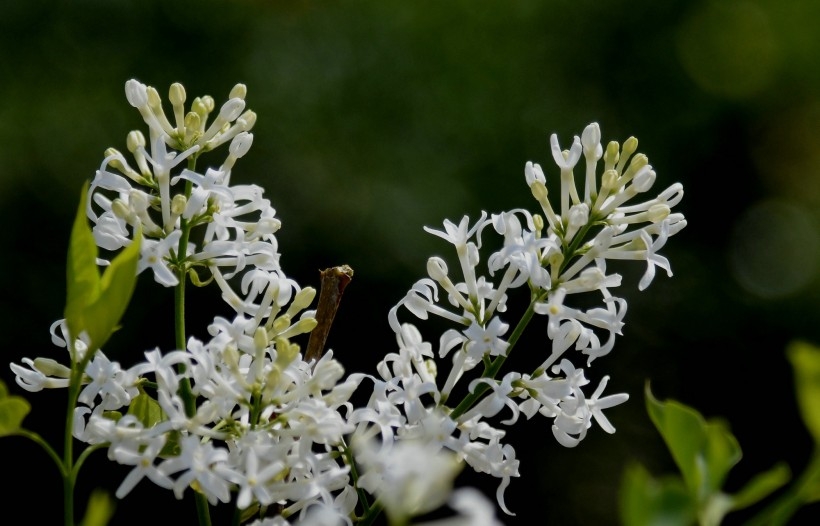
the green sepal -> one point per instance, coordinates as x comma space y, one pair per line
13, 410
646, 501
95, 304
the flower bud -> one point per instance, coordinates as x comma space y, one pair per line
612, 155
591, 141
231, 109
437, 269
176, 94
241, 144
644, 179
136, 93
50, 367
658, 212
239, 91
178, 204
134, 140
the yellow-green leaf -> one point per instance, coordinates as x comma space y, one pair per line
646, 501
703, 451
13, 409
805, 359
100, 509
95, 304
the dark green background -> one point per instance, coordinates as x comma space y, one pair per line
377, 118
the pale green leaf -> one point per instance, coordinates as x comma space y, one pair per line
100, 509
146, 409
646, 501
82, 277
95, 304
13, 409
703, 451
761, 486
805, 359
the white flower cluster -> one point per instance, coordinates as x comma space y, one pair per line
564, 256
265, 424
243, 413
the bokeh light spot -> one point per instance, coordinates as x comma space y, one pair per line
775, 249
728, 48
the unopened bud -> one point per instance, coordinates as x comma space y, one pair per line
193, 121
539, 191
231, 109
241, 144
176, 94
178, 204
659, 212
644, 179
437, 269
246, 120
303, 298
612, 154
260, 338
154, 100
238, 91
50, 367
609, 180
629, 147
538, 221
120, 209
135, 92
134, 140
280, 324
591, 141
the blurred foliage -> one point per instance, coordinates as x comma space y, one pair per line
377, 118
705, 451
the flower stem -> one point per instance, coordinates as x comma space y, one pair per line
202, 509
492, 370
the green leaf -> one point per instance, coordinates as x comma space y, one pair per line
704, 451
96, 304
146, 409
100, 509
761, 486
646, 501
82, 277
805, 359
13, 409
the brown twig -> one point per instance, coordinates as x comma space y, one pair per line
334, 281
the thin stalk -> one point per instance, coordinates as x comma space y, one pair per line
202, 509
495, 366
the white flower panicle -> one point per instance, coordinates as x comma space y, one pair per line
238, 223
556, 257
269, 429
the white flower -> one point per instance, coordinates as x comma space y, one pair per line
409, 478
143, 462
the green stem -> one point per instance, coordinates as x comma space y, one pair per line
371, 515
354, 474
185, 392
68, 472
495, 366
